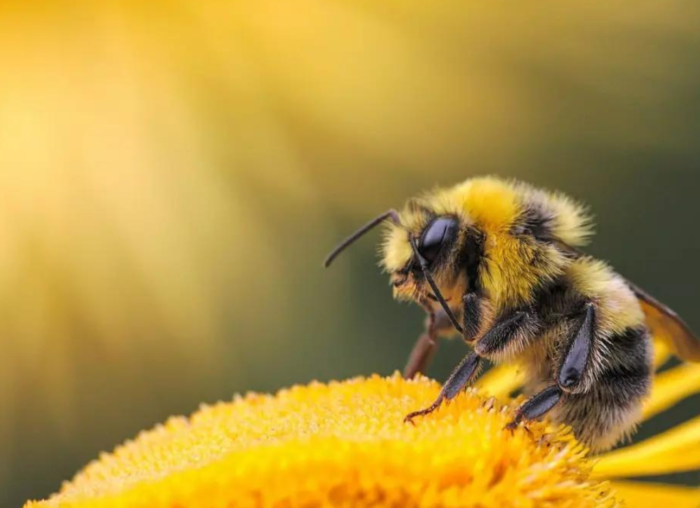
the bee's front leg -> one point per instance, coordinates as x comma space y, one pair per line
436, 324
465, 372
467, 369
472, 316
423, 350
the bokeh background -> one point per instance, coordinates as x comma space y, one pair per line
173, 173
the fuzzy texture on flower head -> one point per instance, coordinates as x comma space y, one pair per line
342, 444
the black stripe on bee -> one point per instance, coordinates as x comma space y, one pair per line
534, 221
471, 256
557, 299
628, 371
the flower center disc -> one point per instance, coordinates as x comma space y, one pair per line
342, 443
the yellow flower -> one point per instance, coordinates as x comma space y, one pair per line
345, 444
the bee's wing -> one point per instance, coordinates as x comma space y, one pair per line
668, 326
663, 322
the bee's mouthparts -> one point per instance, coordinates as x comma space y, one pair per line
433, 298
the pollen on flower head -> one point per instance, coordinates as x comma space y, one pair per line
341, 444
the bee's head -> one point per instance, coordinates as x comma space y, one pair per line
423, 254
426, 246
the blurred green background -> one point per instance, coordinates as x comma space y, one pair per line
173, 173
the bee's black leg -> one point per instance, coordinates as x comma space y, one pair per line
572, 369
460, 377
437, 323
509, 327
472, 316
570, 372
537, 405
423, 351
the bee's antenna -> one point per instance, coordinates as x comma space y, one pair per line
391, 214
426, 271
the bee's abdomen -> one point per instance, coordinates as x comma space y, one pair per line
627, 367
611, 406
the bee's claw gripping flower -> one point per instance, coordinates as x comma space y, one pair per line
423, 412
342, 444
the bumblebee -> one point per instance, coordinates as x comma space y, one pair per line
498, 262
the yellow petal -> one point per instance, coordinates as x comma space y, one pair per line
501, 380
650, 495
661, 353
673, 451
671, 386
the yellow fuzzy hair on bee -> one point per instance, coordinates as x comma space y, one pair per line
495, 206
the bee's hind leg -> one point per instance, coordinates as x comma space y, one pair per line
460, 377
570, 372
573, 368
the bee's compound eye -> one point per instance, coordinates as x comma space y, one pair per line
435, 235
